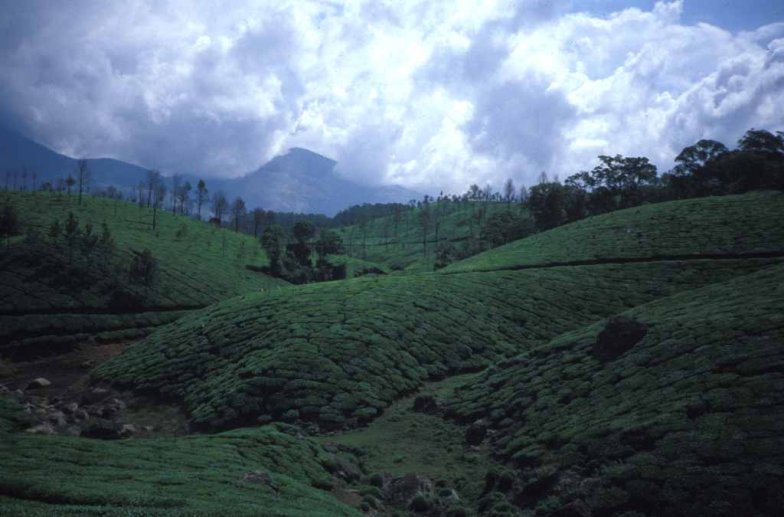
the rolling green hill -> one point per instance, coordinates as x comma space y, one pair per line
52, 296
337, 354
397, 242
625, 364
244, 473
689, 420
715, 226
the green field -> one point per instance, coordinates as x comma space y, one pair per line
40, 303
715, 226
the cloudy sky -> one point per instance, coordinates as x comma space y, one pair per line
430, 94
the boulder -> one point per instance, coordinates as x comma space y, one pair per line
619, 335
128, 430
400, 491
39, 382
44, 428
476, 432
102, 429
425, 404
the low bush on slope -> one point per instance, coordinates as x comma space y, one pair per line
243, 473
728, 225
686, 418
337, 353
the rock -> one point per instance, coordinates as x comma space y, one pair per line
57, 418
425, 404
148, 428
81, 414
40, 382
476, 432
102, 429
70, 408
619, 335
401, 490
44, 428
95, 395
88, 364
4, 389
128, 430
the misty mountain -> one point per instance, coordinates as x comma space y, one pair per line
304, 181
18, 153
298, 181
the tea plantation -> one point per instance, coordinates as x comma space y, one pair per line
727, 226
686, 419
244, 473
48, 299
626, 364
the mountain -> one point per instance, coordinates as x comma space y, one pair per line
304, 181
18, 153
299, 181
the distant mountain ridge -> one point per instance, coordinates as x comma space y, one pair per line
298, 181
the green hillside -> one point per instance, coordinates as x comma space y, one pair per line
51, 296
689, 420
727, 225
243, 473
397, 242
625, 363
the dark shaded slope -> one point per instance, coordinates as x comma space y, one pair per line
688, 421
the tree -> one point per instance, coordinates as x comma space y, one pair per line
143, 269
219, 205
175, 190
303, 231
238, 212
202, 195
258, 220
9, 223
695, 157
509, 191
547, 204
761, 141
84, 175
329, 243
69, 182
55, 230
153, 179
183, 196
71, 234
424, 221
159, 194
273, 242
89, 241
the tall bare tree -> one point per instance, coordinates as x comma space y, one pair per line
219, 205
153, 179
84, 176
202, 195
238, 212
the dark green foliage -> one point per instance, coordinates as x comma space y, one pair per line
688, 421
273, 242
143, 269
9, 223
340, 353
503, 227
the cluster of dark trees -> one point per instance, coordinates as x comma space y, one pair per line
291, 255
706, 168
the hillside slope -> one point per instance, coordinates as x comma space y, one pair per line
46, 299
715, 226
685, 418
242, 473
361, 344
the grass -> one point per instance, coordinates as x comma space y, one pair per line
727, 225
189, 476
689, 421
198, 265
402, 441
379, 241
